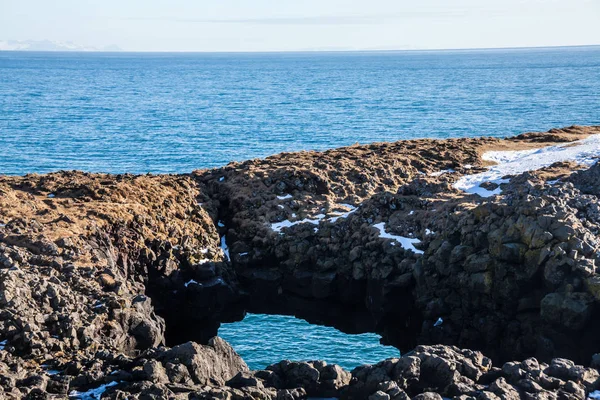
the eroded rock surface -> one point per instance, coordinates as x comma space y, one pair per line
116, 284
379, 234
80, 256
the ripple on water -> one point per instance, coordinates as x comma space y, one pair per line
166, 113
262, 340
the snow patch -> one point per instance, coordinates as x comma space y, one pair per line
278, 226
350, 208
221, 179
585, 152
190, 282
220, 224
442, 172
49, 370
51, 195
405, 242
92, 393
225, 248
287, 196
594, 395
3, 344
439, 322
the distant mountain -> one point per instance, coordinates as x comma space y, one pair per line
49, 45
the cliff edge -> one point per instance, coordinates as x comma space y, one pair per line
115, 285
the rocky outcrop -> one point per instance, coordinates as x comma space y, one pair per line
513, 275
428, 372
431, 372
83, 260
116, 284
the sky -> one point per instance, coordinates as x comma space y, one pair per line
303, 25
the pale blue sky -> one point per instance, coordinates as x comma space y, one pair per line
273, 25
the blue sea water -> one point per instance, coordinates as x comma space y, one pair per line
166, 113
162, 113
262, 340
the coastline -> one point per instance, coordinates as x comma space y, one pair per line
93, 265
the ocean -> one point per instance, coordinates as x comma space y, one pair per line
165, 113
172, 113
262, 340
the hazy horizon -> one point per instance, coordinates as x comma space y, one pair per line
326, 25
115, 49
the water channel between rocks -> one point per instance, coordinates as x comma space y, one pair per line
263, 340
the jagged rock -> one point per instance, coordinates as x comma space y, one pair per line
215, 363
571, 310
99, 272
487, 265
316, 377
428, 396
379, 395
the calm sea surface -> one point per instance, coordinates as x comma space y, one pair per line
165, 113
160, 113
262, 340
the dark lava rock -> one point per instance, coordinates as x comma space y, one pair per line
117, 284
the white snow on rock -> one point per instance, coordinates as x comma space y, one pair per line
92, 393
225, 248
221, 179
287, 196
407, 243
278, 226
190, 282
350, 208
585, 152
220, 224
594, 395
2, 344
442, 172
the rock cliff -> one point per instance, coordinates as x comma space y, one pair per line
115, 285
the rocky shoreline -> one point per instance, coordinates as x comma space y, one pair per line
115, 285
